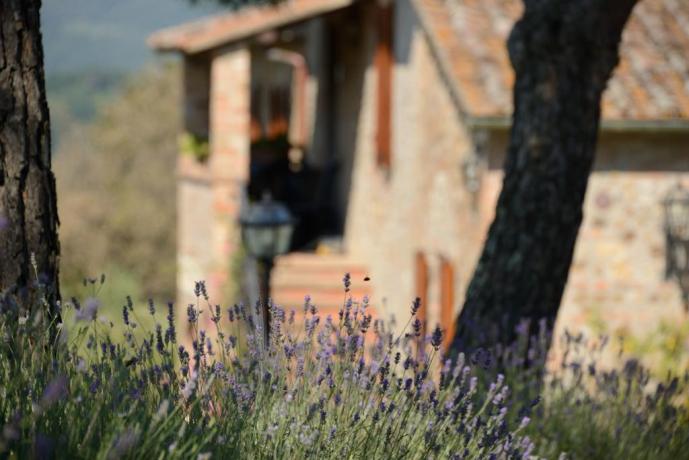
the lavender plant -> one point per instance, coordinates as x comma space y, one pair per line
585, 407
321, 387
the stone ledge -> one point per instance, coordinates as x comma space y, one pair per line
189, 168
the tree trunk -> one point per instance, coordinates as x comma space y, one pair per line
563, 53
29, 247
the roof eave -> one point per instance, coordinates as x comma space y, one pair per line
610, 126
162, 41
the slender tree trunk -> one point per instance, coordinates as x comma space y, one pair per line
29, 247
563, 53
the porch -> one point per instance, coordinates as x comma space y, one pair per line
267, 114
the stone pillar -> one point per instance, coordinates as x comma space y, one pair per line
230, 94
194, 194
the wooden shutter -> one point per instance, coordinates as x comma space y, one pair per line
384, 65
421, 272
447, 300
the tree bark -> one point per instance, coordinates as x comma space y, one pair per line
29, 248
563, 53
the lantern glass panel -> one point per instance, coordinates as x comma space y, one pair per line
259, 241
283, 238
267, 229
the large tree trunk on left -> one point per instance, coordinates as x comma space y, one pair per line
29, 247
563, 53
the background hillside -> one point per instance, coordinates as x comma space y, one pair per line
91, 45
114, 110
82, 35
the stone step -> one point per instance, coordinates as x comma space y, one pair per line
317, 281
294, 297
297, 275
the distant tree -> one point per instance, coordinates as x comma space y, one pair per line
563, 53
28, 210
117, 189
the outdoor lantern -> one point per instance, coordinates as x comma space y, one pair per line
266, 231
676, 207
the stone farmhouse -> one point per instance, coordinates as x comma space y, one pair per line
383, 126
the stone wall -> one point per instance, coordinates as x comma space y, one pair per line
425, 202
616, 283
229, 158
422, 203
617, 279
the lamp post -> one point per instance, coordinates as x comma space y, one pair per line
266, 231
676, 210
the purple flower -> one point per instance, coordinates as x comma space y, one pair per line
56, 390
159, 339
151, 307
216, 316
522, 328
415, 306
192, 314
408, 384
94, 385
416, 325
170, 333
125, 315
44, 446
125, 442
437, 338
347, 281
89, 310
200, 290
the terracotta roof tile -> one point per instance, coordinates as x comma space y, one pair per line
218, 30
650, 84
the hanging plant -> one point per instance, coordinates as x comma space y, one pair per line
194, 146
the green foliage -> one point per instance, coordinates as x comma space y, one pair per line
594, 411
667, 346
116, 188
317, 390
195, 146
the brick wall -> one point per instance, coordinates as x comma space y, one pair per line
210, 193
229, 159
